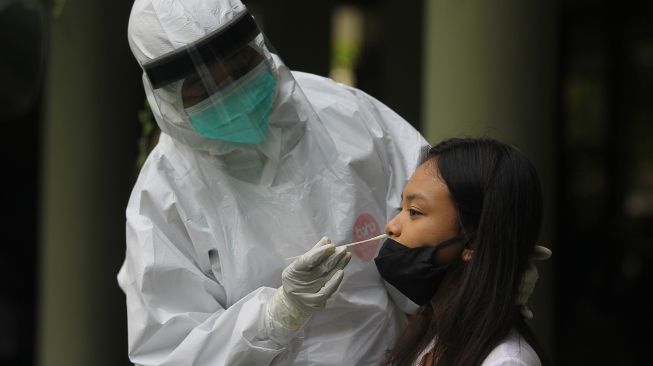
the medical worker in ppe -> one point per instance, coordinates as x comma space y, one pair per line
255, 164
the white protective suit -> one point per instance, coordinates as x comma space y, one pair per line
210, 223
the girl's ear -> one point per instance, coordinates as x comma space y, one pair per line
467, 255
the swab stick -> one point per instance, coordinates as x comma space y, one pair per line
378, 237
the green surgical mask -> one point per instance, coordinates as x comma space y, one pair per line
239, 113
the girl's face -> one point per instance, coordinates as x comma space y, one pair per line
428, 214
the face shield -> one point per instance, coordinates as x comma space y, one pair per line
215, 85
223, 83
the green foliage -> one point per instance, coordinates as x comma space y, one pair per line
149, 134
345, 55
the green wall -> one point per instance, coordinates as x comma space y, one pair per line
489, 70
88, 149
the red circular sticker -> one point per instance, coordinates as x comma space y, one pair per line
366, 227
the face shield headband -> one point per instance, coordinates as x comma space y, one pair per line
219, 45
223, 82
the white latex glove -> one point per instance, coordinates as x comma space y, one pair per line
307, 283
529, 279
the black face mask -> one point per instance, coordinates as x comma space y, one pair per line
413, 271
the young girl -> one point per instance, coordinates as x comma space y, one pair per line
459, 247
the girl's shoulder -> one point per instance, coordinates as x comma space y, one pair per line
512, 351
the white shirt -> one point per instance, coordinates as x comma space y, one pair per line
512, 351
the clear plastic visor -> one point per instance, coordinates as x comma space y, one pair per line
223, 82
211, 65
222, 76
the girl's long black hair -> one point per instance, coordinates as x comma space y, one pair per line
499, 202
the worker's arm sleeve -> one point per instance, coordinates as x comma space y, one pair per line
176, 313
399, 145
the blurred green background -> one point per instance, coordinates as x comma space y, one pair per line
570, 82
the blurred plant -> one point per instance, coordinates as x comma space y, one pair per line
346, 43
29, 4
24, 26
57, 8
149, 134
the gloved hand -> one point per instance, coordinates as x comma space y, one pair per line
529, 279
307, 284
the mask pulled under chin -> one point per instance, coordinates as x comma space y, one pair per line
413, 271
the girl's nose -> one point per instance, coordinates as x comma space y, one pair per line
392, 228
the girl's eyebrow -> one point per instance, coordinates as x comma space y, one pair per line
415, 196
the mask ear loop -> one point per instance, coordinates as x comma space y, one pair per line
175, 90
178, 103
261, 46
448, 242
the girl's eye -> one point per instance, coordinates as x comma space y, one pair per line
412, 212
